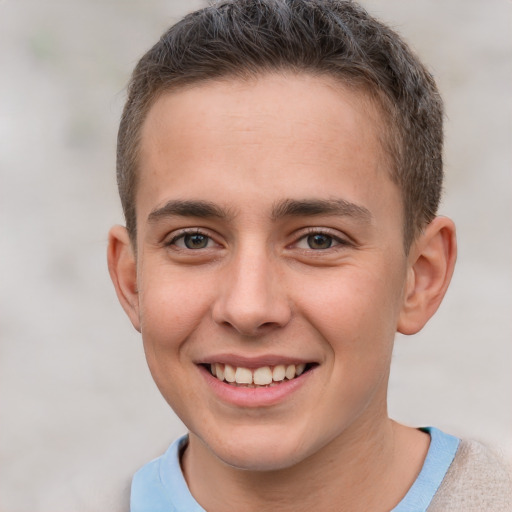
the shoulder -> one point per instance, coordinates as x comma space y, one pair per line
158, 486
148, 491
476, 480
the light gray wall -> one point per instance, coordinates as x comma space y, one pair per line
78, 410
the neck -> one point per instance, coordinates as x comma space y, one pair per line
363, 469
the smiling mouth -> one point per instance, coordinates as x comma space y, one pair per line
265, 376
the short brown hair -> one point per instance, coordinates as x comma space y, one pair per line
338, 38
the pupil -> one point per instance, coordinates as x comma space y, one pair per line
196, 241
319, 241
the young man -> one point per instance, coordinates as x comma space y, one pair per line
280, 167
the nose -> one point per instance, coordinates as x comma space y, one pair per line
252, 298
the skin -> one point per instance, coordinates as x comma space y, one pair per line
260, 287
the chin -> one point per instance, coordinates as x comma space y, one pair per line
259, 460
259, 451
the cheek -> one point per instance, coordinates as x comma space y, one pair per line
351, 301
355, 312
171, 307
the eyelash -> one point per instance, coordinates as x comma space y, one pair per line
326, 233
304, 236
183, 234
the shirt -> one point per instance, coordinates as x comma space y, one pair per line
160, 486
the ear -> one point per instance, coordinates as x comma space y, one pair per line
122, 266
431, 263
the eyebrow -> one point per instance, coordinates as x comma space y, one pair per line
192, 208
285, 208
313, 207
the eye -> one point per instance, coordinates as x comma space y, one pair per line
192, 241
318, 241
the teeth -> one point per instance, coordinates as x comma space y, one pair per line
243, 376
229, 373
264, 376
219, 371
290, 371
299, 370
279, 373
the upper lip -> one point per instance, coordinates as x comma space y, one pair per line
253, 362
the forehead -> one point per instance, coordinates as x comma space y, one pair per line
294, 132
296, 99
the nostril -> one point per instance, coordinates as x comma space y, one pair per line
267, 326
251, 330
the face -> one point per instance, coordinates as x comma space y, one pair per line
270, 252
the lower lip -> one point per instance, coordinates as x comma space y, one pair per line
254, 397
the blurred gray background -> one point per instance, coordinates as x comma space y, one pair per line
79, 412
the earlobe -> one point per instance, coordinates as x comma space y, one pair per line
431, 263
122, 267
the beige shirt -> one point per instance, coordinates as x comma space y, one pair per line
477, 481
